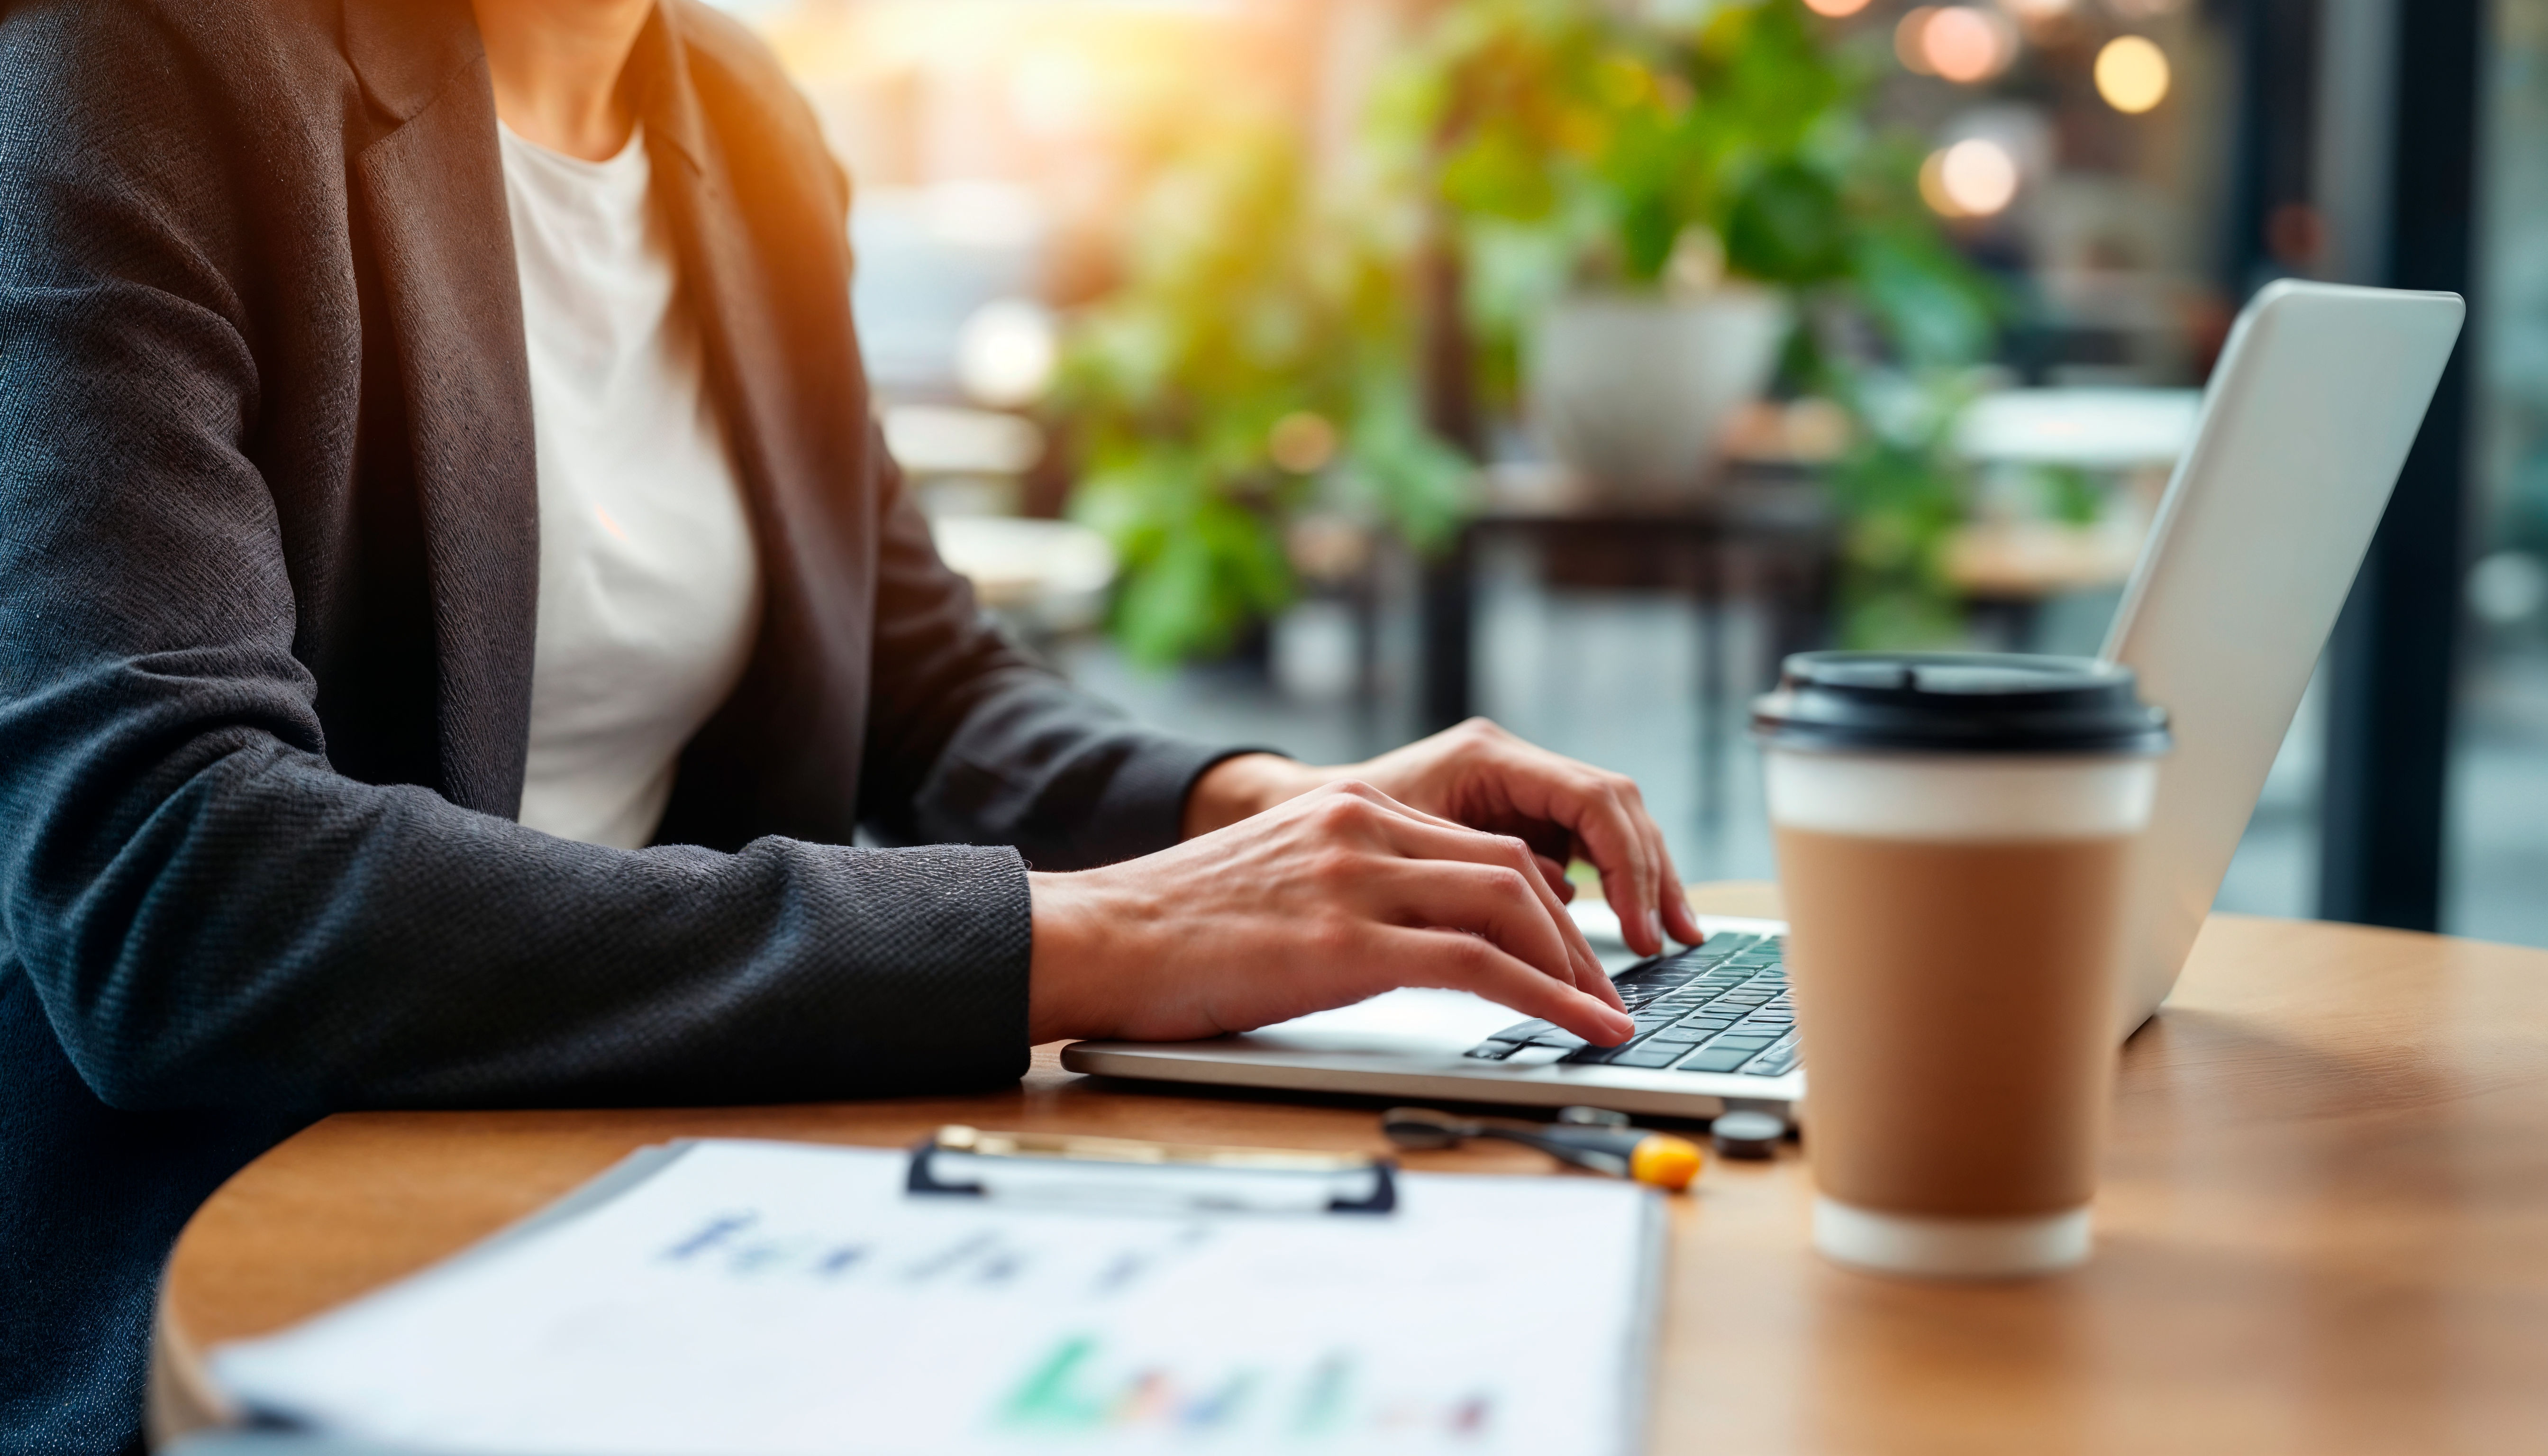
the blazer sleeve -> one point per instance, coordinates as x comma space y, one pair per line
972, 740
209, 913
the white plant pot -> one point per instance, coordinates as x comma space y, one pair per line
1634, 393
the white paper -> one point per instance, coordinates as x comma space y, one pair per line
773, 1298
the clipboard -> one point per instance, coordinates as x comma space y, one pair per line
787, 1300
1122, 1173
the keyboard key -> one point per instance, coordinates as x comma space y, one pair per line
1719, 1059
1555, 1038
1738, 1037
1670, 1036
1492, 1051
1775, 1064
1523, 1032
1649, 1057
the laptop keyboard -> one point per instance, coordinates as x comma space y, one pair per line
1721, 1007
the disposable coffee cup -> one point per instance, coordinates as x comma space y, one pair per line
1952, 835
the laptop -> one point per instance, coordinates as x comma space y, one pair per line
2308, 420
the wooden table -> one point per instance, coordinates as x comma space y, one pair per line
2323, 1227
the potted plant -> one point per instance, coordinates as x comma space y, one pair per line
1645, 200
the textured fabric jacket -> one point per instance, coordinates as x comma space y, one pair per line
268, 572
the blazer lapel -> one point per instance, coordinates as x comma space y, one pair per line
432, 190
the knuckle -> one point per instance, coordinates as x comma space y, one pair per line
1334, 937
1353, 796
1334, 867
1341, 812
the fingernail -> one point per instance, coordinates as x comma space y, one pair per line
1655, 925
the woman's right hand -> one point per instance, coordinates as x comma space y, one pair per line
1323, 900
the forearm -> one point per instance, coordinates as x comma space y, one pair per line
273, 935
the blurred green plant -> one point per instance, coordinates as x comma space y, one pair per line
1256, 362
1258, 359
1903, 491
1573, 144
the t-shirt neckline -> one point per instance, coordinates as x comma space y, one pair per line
618, 161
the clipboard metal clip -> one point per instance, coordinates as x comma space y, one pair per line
1121, 1174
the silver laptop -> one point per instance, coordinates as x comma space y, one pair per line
2308, 420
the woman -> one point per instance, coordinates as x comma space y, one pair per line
455, 612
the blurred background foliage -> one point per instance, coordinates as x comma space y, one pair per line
1259, 356
1254, 362
1582, 146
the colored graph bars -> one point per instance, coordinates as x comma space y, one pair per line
1073, 1387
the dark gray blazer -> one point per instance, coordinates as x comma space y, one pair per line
268, 551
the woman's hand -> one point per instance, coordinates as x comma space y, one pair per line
1479, 775
1332, 896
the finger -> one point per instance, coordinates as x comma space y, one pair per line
1558, 884
1591, 808
1423, 838
1490, 900
1464, 843
1454, 962
1679, 916
1671, 896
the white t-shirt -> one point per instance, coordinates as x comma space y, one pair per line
650, 587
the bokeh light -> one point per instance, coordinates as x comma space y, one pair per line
1836, 7
2132, 74
1964, 45
1006, 352
1975, 178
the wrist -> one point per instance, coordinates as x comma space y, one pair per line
1060, 991
1243, 787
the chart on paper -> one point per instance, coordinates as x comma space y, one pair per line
756, 1297
1079, 1387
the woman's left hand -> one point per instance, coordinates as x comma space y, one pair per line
1479, 775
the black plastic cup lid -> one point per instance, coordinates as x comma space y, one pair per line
1958, 702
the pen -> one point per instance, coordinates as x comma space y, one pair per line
1583, 1137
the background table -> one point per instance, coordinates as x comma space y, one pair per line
2323, 1227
